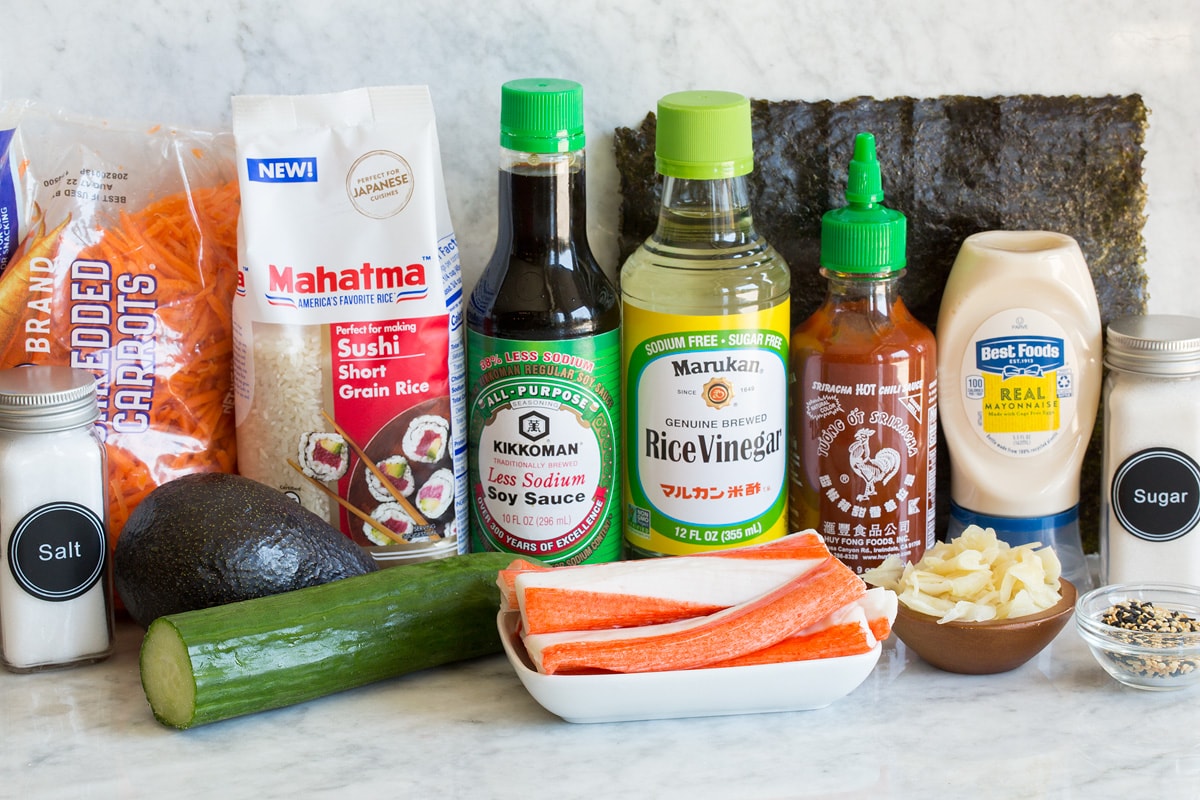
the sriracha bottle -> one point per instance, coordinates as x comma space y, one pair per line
863, 389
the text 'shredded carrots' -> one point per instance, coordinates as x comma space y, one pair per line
159, 282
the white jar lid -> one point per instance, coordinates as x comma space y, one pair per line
1154, 344
47, 398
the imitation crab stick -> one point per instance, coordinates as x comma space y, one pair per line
850, 630
632, 593
506, 579
647, 592
697, 642
805, 544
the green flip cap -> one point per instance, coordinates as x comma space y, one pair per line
864, 237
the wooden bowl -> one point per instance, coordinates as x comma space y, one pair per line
983, 648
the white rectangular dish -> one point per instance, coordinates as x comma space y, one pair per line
792, 686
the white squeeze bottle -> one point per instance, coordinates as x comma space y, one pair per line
1019, 361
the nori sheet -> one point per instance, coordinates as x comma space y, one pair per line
953, 165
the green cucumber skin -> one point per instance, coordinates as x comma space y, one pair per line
288, 648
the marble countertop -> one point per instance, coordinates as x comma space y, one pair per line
1057, 727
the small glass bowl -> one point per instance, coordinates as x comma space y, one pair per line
1151, 660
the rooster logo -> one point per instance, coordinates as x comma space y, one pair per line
879, 468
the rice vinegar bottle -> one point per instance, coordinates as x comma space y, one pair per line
705, 305
543, 349
863, 396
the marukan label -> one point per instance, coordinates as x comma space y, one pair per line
870, 457
706, 409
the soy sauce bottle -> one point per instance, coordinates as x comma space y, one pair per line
543, 348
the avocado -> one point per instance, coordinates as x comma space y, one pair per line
208, 539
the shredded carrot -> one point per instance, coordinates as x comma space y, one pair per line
169, 326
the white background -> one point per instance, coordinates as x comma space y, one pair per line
180, 62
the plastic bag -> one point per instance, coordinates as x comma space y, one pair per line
349, 366
118, 250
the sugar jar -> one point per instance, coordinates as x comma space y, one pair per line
55, 586
1151, 492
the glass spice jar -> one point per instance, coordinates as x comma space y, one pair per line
55, 587
1151, 493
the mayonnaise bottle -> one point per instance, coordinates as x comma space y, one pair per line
1019, 362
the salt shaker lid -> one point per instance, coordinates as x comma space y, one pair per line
42, 398
1154, 344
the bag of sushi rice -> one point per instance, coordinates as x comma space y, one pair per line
347, 322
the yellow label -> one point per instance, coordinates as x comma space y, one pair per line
706, 404
1023, 404
1018, 386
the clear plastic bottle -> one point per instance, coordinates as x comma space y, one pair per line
543, 340
1019, 345
706, 304
863, 438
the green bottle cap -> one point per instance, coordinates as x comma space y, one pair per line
541, 115
704, 135
864, 237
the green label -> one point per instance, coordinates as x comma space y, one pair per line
544, 433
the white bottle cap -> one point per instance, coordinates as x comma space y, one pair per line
44, 398
1166, 345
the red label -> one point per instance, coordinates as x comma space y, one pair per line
867, 437
383, 387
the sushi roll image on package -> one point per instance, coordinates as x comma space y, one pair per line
324, 456
349, 372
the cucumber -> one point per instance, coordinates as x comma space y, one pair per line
215, 663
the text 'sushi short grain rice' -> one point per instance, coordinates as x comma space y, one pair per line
348, 317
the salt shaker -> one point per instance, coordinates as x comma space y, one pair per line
55, 584
1151, 494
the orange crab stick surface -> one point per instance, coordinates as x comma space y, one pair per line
727, 634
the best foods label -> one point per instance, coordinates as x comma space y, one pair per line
1018, 381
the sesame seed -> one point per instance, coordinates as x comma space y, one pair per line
1147, 618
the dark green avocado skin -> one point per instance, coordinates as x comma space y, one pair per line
213, 538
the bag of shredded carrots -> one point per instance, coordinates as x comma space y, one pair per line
118, 255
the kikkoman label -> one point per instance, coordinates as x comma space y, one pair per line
706, 401
544, 433
1019, 381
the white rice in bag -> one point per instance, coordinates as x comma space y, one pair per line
348, 312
